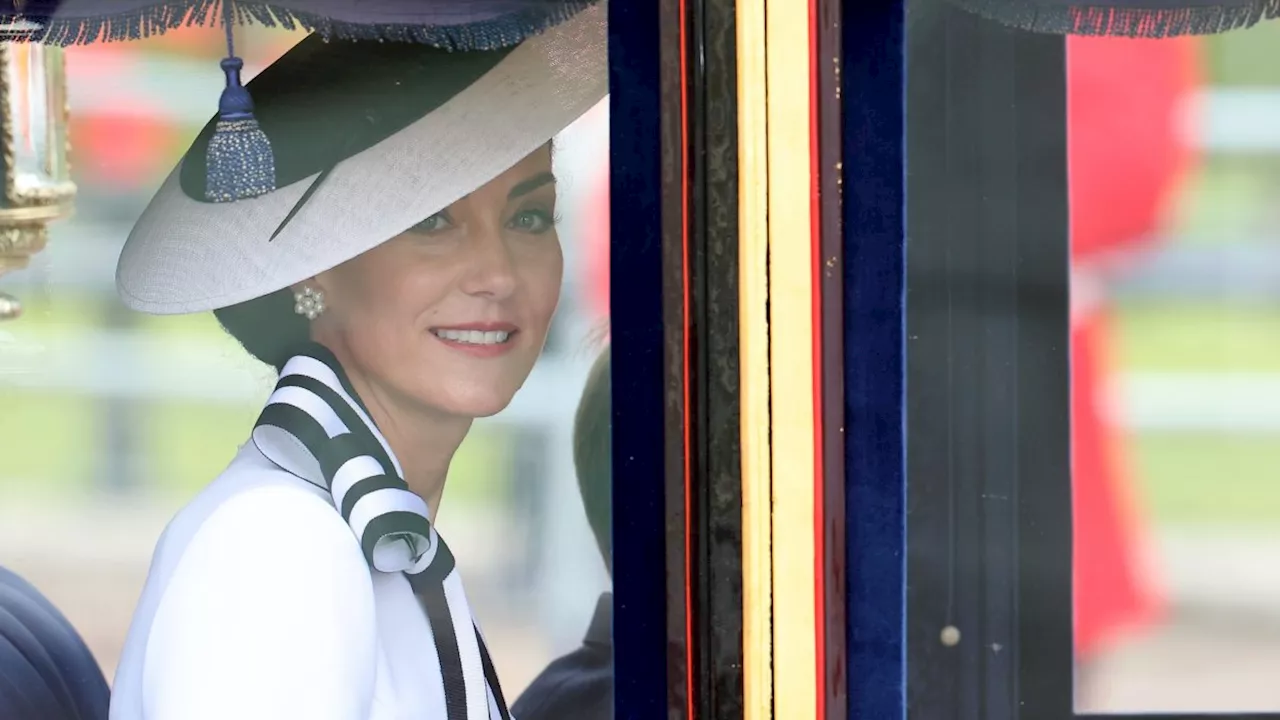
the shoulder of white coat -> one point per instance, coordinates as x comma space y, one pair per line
272, 595
273, 526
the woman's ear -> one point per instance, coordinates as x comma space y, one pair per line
314, 282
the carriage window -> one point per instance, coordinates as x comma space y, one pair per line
1174, 319
112, 420
1091, 297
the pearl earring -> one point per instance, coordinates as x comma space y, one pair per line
308, 302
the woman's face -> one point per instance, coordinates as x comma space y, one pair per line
453, 314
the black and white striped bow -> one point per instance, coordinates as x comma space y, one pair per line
315, 427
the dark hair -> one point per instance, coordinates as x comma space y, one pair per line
593, 453
267, 327
46, 670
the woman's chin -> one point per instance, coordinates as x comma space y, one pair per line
478, 404
466, 394
487, 412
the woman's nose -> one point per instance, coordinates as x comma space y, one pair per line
490, 271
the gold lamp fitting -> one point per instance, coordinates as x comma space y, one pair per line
34, 154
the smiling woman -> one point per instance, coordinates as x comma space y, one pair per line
401, 281
477, 281
522, 200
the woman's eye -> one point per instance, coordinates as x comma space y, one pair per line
433, 224
532, 221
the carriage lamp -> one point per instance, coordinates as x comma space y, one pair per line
34, 170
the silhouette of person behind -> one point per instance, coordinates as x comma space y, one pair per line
46, 670
580, 685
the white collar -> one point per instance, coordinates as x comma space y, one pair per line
314, 427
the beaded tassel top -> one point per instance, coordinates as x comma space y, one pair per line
239, 159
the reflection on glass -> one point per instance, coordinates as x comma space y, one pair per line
31, 105
1175, 163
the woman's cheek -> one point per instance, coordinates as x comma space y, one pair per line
418, 302
547, 293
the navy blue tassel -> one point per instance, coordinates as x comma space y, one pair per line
239, 160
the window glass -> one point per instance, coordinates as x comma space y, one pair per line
113, 420
1175, 163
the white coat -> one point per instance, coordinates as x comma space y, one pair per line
283, 590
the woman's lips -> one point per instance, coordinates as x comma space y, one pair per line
479, 340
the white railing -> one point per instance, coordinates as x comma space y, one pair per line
1199, 401
88, 361
1234, 120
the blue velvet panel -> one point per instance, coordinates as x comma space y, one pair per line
873, 79
636, 328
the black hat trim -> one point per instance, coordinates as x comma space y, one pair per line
326, 101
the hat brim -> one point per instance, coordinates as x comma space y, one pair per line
186, 256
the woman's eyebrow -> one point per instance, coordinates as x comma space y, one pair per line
530, 185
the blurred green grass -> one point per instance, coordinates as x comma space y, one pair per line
50, 447
1244, 57
1188, 479
50, 439
1197, 337
1192, 478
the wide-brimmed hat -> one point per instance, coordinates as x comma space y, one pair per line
369, 139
